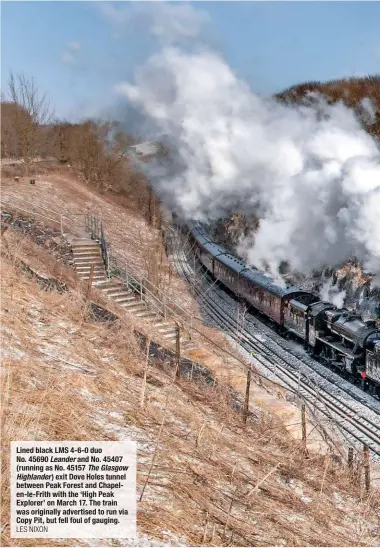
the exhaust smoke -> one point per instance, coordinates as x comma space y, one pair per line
309, 172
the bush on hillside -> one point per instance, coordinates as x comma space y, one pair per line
353, 92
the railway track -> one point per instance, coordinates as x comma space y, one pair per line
320, 396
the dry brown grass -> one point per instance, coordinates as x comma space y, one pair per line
132, 241
213, 351
60, 190
208, 478
23, 248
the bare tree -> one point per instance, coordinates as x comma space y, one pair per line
27, 118
9, 139
61, 141
101, 155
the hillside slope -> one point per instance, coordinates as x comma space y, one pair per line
214, 480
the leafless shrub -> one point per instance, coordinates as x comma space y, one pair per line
26, 114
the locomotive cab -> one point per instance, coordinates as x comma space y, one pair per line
317, 321
296, 314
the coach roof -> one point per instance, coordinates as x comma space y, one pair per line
267, 283
234, 263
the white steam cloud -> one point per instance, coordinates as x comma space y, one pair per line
331, 293
310, 172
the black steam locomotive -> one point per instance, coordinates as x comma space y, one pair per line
335, 336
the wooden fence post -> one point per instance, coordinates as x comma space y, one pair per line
303, 421
350, 460
145, 374
178, 352
367, 479
246, 402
